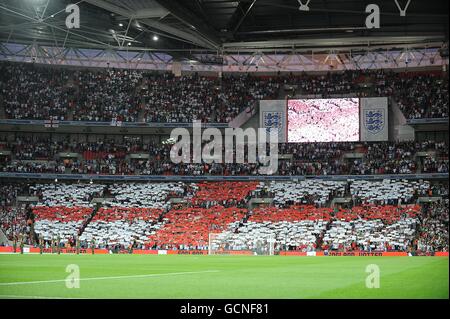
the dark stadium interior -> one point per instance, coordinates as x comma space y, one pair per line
206, 25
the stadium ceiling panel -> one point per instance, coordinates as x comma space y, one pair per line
184, 28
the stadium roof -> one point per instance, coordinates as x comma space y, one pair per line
186, 26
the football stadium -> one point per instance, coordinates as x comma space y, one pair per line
215, 149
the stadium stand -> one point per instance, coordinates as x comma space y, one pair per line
67, 195
385, 192
305, 192
189, 228
60, 222
149, 195
136, 141
434, 234
109, 157
123, 95
121, 227
301, 216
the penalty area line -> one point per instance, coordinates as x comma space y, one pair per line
106, 278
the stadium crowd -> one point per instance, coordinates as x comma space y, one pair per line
434, 234
41, 155
33, 92
383, 215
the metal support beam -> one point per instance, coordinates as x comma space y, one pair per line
247, 11
192, 21
182, 34
331, 43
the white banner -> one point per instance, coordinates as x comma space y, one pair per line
273, 116
374, 119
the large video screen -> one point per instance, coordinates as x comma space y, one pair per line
323, 120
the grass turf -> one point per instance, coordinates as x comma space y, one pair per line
190, 276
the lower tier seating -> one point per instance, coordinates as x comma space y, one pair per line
190, 227
122, 226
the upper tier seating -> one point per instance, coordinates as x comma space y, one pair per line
35, 92
107, 95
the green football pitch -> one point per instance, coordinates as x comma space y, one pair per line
190, 276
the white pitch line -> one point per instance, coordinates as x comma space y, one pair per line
37, 297
105, 278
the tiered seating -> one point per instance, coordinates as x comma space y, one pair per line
103, 96
190, 227
305, 192
182, 99
373, 228
386, 191
109, 157
63, 209
434, 229
432, 165
122, 226
388, 214
292, 214
30, 91
67, 195
370, 235
296, 227
222, 193
139, 214
35, 93
148, 195
13, 221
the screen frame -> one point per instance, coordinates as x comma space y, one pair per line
321, 98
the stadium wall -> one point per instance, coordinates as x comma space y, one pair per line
399, 130
34, 250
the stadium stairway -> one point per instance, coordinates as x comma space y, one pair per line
3, 239
141, 115
138, 88
2, 109
71, 83
89, 219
